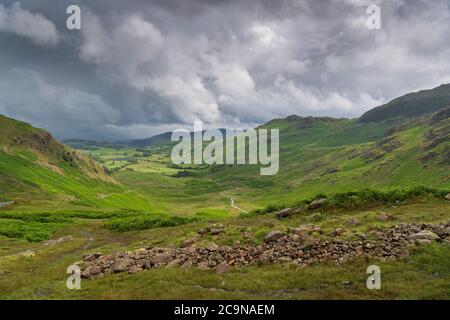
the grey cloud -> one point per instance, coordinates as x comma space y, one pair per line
51, 102
14, 19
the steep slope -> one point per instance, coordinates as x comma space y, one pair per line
411, 105
49, 152
36, 167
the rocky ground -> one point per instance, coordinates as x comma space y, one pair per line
301, 246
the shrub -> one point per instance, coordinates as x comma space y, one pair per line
365, 198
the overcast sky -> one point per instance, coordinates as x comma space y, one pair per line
137, 68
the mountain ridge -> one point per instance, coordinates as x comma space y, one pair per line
410, 105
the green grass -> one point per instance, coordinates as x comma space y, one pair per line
424, 274
149, 221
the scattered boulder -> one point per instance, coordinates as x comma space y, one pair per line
310, 241
91, 271
188, 242
162, 258
385, 217
121, 265
147, 264
332, 170
222, 267
212, 247
447, 196
92, 256
304, 229
426, 235
273, 236
284, 259
316, 204
135, 269
284, 213
215, 231
203, 266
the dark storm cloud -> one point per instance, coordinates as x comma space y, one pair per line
141, 67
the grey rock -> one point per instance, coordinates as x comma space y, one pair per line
424, 235
121, 265
188, 242
284, 213
91, 271
215, 231
203, 266
93, 256
316, 204
212, 247
273, 236
385, 217
332, 170
162, 258
135, 269
304, 229
222, 267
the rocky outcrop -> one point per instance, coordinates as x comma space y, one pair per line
424, 236
284, 213
298, 246
316, 204
273, 236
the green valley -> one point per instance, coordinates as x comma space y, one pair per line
345, 179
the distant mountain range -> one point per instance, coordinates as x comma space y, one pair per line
160, 139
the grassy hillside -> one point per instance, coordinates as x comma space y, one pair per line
35, 168
411, 105
323, 155
317, 155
